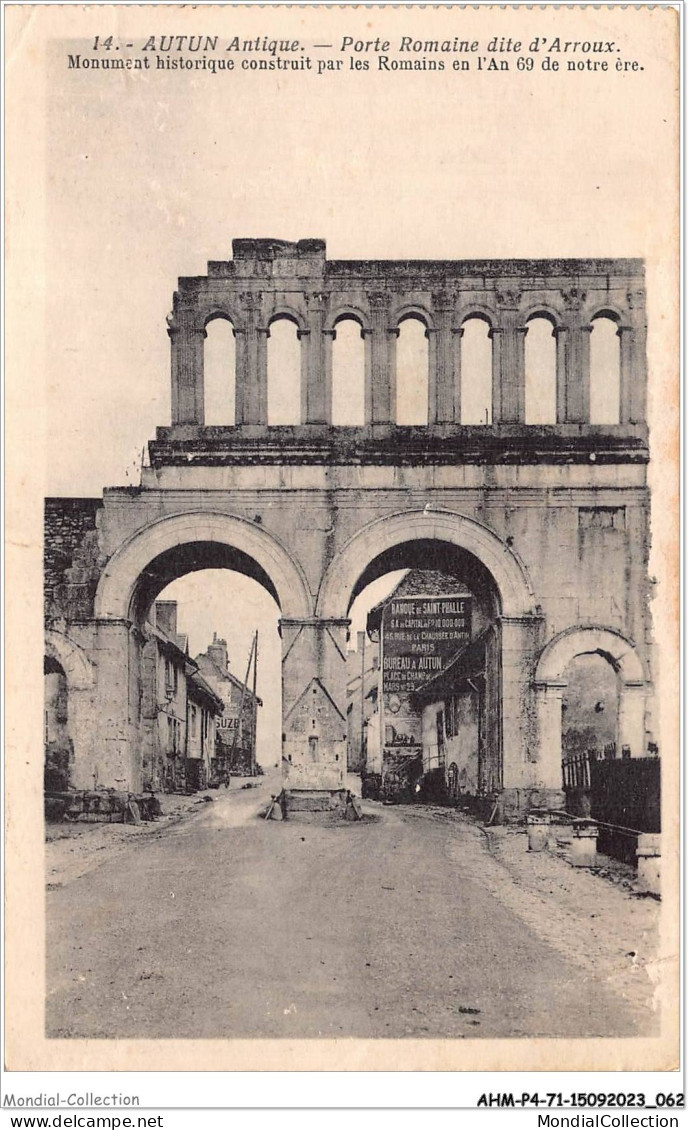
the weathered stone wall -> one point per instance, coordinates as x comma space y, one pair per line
67, 522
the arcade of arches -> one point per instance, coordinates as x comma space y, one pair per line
511, 459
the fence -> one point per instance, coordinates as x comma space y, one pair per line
576, 767
621, 794
625, 793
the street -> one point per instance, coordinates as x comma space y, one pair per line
407, 923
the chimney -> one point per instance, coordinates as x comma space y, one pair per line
217, 651
166, 616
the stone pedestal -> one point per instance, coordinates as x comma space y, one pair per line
649, 857
584, 845
538, 828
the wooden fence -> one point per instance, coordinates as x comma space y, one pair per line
621, 794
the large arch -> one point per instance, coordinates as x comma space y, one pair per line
120, 577
515, 590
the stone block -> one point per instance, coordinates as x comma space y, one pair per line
649, 858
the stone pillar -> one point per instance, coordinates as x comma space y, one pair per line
380, 363
626, 374
186, 346
637, 384
508, 367
632, 719
548, 708
495, 336
82, 718
314, 728
531, 772
316, 365
457, 334
251, 364
114, 759
635, 402
561, 334
517, 749
508, 373
573, 379
578, 376
442, 382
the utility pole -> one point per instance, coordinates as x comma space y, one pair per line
254, 725
241, 703
361, 766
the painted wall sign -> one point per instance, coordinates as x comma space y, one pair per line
420, 635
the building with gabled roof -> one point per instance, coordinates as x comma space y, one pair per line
235, 752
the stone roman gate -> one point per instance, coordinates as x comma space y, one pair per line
554, 514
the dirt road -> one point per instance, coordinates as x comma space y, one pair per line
405, 924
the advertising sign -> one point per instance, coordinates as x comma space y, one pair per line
420, 635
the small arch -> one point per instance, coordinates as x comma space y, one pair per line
611, 312
219, 370
283, 312
284, 368
551, 681
413, 310
348, 372
540, 310
582, 640
475, 310
476, 369
412, 369
344, 312
540, 369
605, 368
66, 654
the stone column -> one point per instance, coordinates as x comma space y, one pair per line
561, 334
251, 364
531, 773
636, 403
508, 372
186, 347
82, 717
457, 334
380, 342
495, 336
632, 719
441, 390
637, 397
548, 708
114, 759
576, 378
516, 750
314, 727
316, 364
626, 374
508, 369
